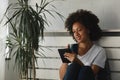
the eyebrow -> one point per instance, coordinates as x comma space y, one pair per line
77, 28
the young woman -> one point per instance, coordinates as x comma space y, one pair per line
90, 57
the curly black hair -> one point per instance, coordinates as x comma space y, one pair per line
87, 19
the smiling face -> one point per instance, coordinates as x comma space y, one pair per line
80, 33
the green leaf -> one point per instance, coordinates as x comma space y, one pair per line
13, 16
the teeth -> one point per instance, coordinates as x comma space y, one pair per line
78, 38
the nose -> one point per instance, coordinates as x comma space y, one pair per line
76, 33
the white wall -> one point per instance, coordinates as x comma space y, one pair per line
107, 11
3, 5
2, 59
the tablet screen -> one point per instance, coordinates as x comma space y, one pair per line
61, 53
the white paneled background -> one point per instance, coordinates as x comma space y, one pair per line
3, 31
49, 65
106, 10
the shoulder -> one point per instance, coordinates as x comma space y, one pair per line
99, 48
100, 57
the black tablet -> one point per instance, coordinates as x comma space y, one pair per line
61, 53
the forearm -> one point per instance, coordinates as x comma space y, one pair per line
62, 70
78, 61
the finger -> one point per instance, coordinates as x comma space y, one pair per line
66, 57
68, 46
65, 54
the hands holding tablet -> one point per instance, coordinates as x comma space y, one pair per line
62, 52
70, 56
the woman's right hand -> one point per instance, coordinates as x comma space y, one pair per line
70, 56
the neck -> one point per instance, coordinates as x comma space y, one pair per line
85, 44
84, 47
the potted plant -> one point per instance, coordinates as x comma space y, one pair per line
27, 26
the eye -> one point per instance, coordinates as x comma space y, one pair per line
79, 29
73, 31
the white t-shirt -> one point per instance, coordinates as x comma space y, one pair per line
96, 55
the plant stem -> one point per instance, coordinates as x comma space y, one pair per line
34, 71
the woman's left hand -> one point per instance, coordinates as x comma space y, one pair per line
70, 56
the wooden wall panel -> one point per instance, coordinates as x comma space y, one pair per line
48, 65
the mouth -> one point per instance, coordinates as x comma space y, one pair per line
78, 38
